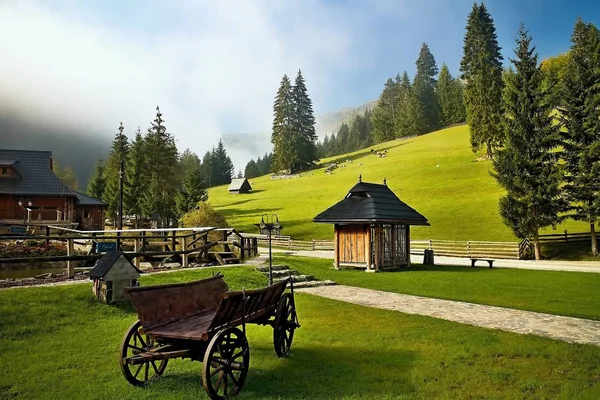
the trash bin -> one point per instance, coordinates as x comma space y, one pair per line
428, 257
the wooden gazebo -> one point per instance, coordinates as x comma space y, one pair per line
372, 228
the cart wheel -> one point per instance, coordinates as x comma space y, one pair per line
285, 325
225, 364
135, 343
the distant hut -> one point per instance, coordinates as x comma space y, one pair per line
372, 228
111, 274
238, 186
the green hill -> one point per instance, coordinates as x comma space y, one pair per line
437, 174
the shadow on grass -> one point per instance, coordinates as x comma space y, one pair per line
229, 212
318, 372
571, 251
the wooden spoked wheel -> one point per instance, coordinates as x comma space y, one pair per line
135, 343
226, 363
285, 325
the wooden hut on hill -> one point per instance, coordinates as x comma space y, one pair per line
240, 185
371, 228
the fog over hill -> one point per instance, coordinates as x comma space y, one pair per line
80, 147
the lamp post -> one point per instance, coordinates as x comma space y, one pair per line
22, 203
120, 205
270, 223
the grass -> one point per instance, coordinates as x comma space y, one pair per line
564, 293
437, 174
59, 343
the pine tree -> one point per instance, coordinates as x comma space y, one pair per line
65, 174
96, 184
221, 166
251, 170
343, 139
527, 167
118, 154
580, 115
207, 169
304, 125
162, 166
192, 186
481, 69
283, 137
384, 116
136, 174
449, 92
424, 89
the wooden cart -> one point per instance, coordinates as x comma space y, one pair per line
199, 320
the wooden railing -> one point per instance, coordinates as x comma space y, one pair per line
565, 237
454, 248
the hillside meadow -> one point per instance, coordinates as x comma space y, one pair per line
437, 174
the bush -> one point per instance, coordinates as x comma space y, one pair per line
204, 216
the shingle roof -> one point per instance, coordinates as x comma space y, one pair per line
238, 184
85, 200
36, 176
104, 264
7, 163
371, 202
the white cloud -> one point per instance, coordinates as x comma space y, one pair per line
212, 66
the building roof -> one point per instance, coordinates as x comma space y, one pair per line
371, 203
239, 184
104, 264
7, 163
85, 200
36, 177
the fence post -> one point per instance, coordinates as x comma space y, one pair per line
137, 248
185, 255
47, 235
468, 248
313, 244
430, 244
70, 264
566, 236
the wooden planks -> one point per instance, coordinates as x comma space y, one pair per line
160, 304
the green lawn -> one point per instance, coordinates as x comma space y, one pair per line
565, 293
59, 343
437, 174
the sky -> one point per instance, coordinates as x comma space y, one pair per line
215, 66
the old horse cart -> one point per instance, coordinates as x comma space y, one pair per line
200, 320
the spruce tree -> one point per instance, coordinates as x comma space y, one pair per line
96, 184
136, 174
449, 92
251, 170
221, 166
424, 89
580, 115
192, 188
162, 166
207, 170
527, 167
118, 152
303, 125
481, 68
343, 139
285, 155
384, 116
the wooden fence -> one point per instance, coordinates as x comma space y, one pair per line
565, 237
452, 248
455, 248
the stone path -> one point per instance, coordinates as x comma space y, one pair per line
568, 329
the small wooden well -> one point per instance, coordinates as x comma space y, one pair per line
111, 274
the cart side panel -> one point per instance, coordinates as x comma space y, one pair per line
260, 303
166, 303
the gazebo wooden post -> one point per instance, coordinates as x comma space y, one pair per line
336, 247
368, 250
394, 238
407, 245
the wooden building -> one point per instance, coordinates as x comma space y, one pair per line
238, 186
371, 228
32, 194
111, 274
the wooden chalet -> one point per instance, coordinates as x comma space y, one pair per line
371, 228
32, 194
240, 185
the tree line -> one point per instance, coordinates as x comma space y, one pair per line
539, 123
157, 180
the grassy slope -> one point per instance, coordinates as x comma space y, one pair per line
59, 343
459, 197
573, 294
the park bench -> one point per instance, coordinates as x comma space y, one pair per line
488, 260
199, 320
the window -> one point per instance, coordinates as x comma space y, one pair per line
86, 213
4, 171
